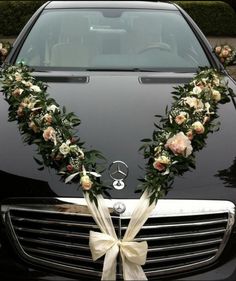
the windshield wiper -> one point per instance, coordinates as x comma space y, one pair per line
133, 69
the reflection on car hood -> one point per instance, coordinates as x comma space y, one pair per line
117, 111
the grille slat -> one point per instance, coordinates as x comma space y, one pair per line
184, 235
48, 243
53, 254
51, 232
53, 222
183, 246
177, 241
179, 257
177, 225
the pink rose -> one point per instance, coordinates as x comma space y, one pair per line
225, 53
47, 118
189, 134
180, 144
181, 118
17, 92
161, 162
49, 134
86, 182
218, 50
4, 51
198, 127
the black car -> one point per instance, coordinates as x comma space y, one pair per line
115, 65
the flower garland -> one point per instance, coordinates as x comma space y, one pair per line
226, 54
170, 152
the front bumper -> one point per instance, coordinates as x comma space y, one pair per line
188, 239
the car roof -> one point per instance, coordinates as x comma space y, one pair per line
111, 4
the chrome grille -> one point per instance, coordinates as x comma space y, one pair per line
189, 235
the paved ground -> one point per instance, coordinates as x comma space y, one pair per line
213, 41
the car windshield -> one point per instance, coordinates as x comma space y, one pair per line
112, 39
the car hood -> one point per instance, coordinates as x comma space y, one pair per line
117, 111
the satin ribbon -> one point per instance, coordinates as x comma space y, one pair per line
133, 254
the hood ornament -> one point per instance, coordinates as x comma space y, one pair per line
118, 171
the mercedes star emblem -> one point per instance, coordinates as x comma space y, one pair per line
119, 208
118, 171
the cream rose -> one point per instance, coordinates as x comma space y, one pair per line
181, 118
198, 127
216, 95
34, 127
64, 149
180, 144
49, 134
86, 182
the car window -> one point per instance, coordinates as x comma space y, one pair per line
112, 38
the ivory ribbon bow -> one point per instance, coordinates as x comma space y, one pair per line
106, 243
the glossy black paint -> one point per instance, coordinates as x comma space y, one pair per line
117, 110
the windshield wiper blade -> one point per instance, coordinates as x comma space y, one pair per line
133, 69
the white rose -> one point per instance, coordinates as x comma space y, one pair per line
194, 102
216, 95
35, 88
52, 108
197, 90
18, 76
64, 149
27, 83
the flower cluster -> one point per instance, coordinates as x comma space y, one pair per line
226, 54
4, 50
183, 131
43, 123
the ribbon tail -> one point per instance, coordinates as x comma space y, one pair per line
109, 264
132, 271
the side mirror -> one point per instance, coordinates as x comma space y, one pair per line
5, 48
226, 54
